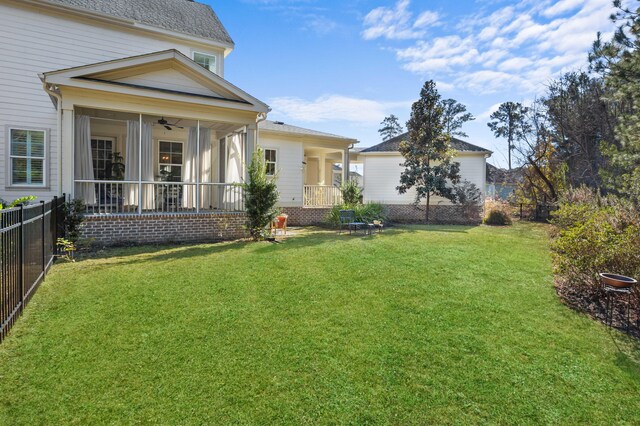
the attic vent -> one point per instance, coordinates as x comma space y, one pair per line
279, 122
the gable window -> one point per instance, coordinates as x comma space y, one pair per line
170, 161
205, 61
270, 160
27, 157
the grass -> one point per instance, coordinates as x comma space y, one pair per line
413, 326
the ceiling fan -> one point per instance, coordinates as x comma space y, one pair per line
168, 125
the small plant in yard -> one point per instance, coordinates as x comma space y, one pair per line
261, 196
351, 193
364, 213
498, 217
73, 218
469, 196
66, 249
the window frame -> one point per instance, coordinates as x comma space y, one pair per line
114, 141
44, 158
211, 55
275, 163
159, 168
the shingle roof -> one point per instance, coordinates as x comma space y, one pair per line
184, 16
278, 126
393, 145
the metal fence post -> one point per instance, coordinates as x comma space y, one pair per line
44, 253
22, 277
54, 212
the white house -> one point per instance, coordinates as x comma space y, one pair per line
382, 169
125, 104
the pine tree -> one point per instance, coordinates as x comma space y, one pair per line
455, 115
391, 127
509, 122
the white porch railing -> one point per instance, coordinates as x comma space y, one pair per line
117, 197
321, 196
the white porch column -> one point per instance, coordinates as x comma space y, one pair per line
66, 144
345, 165
251, 144
322, 163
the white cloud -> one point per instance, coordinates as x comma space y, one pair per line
516, 48
397, 23
561, 7
335, 108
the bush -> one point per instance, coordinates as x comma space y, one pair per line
73, 218
594, 235
351, 193
498, 217
261, 196
364, 213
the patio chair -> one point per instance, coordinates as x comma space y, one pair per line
348, 219
280, 222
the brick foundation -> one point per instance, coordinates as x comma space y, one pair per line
306, 216
164, 228
438, 214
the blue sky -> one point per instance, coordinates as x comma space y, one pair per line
342, 66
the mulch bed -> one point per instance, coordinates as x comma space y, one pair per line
591, 300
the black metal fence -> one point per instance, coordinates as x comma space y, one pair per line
534, 212
28, 245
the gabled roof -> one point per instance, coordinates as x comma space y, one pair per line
189, 80
393, 145
280, 127
183, 16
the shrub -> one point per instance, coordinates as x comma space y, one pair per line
594, 235
364, 213
261, 196
498, 217
73, 218
351, 193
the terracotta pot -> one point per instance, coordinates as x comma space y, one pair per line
615, 280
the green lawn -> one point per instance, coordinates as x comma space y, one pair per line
416, 325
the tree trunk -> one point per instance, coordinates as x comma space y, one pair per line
427, 209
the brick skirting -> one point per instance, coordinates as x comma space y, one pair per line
164, 228
306, 216
438, 214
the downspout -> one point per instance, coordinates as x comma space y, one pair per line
261, 117
51, 92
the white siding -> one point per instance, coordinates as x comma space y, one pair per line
169, 79
34, 42
290, 168
382, 176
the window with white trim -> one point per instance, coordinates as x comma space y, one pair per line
271, 161
205, 61
170, 161
27, 157
102, 153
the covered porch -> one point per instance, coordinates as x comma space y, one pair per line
128, 162
153, 134
323, 175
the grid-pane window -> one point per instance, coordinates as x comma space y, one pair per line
170, 161
102, 152
27, 157
206, 61
270, 159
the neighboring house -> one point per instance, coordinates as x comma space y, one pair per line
382, 169
124, 104
502, 183
353, 176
